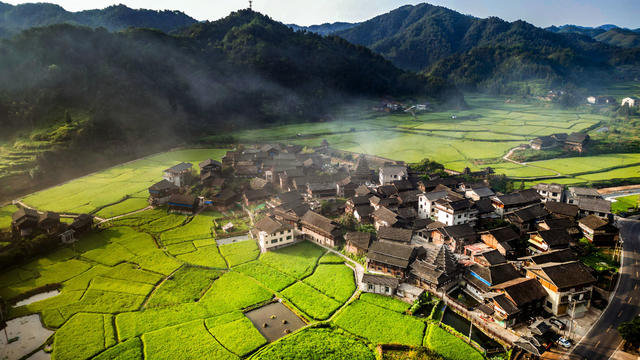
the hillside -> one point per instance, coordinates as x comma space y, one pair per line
490, 53
324, 29
20, 17
91, 96
620, 37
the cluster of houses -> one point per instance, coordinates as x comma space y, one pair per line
27, 223
512, 253
630, 101
576, 142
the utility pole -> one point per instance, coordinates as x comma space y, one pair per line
250, 4
572, 316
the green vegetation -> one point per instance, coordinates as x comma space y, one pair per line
130, 349
379, 325
83, 336
598, 258
331, 258
335, 281
240, 252
317, 343
5, 215
50, 274
186, 341
385, 302
207, 256
311, 301
449, 346
186, 285
124, 207
297, 260
200, 227
266, 275
623, 204
239, 336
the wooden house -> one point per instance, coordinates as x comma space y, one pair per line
598, 230
179, 175
159, 193
273, 234
379, 284
357, 243
321, 230
210, 167
439, 270
24, 221
81, 224
543, 241
525, 219
390, 258
576, 142
395, 234
182, 203
455, 236
511, 202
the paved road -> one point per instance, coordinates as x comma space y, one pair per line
603, 339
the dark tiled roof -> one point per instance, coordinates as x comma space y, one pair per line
364, 210
556, 237
403, 185
504, 234
361, 240
523, 291
182, 199
319, 221
407, 213
459, 231
386, 215
484, 206
439, 266
531, 213
360, 200
290, 197
519, 198
577, 138
390, 253
387, 190
24, 212
505, 304
493, 257
270, 225
568, 275
253, 195
163, 185
593, 222
496, 274
554, 256
562, 208
210, 162
395, 234
549, 224
382, 280
597, 205
179, 168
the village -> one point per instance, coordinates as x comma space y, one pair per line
509, 263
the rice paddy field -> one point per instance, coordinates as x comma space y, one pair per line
126, 295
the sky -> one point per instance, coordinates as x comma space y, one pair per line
541, 13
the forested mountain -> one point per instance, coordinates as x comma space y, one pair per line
324, 29
620, 37
74, 97
575, 29
20, 17
488, 53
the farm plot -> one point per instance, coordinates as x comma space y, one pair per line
312, 302
266, 275
597, 163
238, 336
5, 215
127, 206
207, 256
335, 281
448, 345
331, 258
623, 204
111, 186
200, 227
297, 260
130, 349
52, 274
385, 302
186, 285
186, 341
379, 325
83, 336
332, 344
240, 252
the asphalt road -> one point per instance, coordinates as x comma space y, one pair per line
603, 339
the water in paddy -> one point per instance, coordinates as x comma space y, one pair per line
462, 326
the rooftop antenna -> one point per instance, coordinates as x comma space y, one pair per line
250, 4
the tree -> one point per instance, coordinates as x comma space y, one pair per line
630, 331
67, 117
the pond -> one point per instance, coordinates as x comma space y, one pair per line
37, 297
274, 321
29, 333
464, 298
462, 326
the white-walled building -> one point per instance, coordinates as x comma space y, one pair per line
178, 174
272, 234
456, 212
630, 101
391, 173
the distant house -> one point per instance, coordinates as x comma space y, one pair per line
391, 173
502, 239
480, 279
321, 190
526, 218
518, 300
576, 142
273, 234
225, 198
24, 221
345, 188
384, 217
553, 256
514, 201
185, 204
321, 230
390, 258
630, 101
456, 212
439, 270
598, 207
252, 197
597, 230
455, 236
357, 243
395, 234
81, 224
379, 284
427, 202
477, 193
362, 174
210, 167
543, 143
569, 287
574, 194
592, 100
248, 170
488, 257
562, 210
49, 222
178, 175
547, 240
159, 193
550, 192
363, 213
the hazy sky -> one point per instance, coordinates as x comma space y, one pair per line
305, 12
